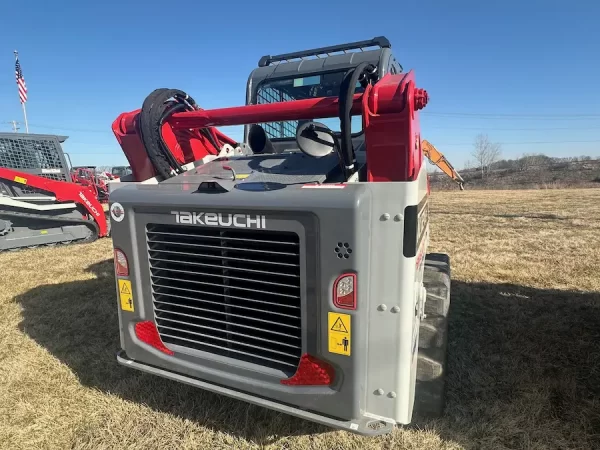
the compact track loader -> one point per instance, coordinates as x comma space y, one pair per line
39, 205
97, 182
120, 171
289, 270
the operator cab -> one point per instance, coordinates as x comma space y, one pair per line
310, 74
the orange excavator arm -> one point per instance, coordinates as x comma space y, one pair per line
439, 160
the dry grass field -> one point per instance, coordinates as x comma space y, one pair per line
524, 350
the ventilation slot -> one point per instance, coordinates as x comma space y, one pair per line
234, 293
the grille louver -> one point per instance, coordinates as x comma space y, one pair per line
230, 292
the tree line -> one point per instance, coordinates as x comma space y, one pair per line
487, 157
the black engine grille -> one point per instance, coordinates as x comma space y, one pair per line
230, 292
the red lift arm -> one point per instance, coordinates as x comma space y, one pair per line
388, 109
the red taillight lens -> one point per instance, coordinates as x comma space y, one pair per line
311, 372
121, 264
147, 332
344, 291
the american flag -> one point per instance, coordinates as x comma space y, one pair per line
20, 82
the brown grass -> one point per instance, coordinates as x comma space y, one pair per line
524, 351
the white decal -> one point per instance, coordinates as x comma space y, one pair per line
323, 186
89, 204
220, 219
117, 212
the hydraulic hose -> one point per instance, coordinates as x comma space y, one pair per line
157, 107
365, 73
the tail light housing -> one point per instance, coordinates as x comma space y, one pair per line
121, 263
147, 333
344, 291
311, 372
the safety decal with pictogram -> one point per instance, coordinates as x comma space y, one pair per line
339, 333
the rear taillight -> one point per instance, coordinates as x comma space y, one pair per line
147, 333
311, 372
344, 291
121, 264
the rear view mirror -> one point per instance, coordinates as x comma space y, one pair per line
315, 139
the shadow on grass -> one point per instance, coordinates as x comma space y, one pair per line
523, 365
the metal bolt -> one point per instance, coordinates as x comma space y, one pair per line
398, 217
395, 309
382, 307
385, 216
420, 98
392, 394
379, 392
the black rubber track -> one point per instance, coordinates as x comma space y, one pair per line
58, 221
433, 338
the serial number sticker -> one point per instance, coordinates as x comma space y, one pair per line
21, 180
339, 333
126, 295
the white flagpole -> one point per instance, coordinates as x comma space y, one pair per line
23, 103
25, 116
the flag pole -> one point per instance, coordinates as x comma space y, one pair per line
25, 116
22, 102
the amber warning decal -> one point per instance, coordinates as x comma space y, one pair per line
339, 333
21, 180
126, 295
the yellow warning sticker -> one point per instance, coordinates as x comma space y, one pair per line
126, 295
21, 180
339, 333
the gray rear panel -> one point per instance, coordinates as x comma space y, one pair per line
239, 304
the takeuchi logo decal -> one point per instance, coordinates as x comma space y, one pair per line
117, 212
221, 219
89, 204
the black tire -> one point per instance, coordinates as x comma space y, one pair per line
433, 338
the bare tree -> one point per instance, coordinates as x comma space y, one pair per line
532, 161
485, 152
525, 162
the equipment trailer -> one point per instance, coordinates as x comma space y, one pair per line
39, 205
291, 270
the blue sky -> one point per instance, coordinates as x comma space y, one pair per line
525, 72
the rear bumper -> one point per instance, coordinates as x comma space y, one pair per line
364, 425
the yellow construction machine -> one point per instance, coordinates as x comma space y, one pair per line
438, 159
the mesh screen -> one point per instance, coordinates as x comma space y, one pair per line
38, 155
274, 130
26, 153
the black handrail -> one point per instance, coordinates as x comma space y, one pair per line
380, 41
